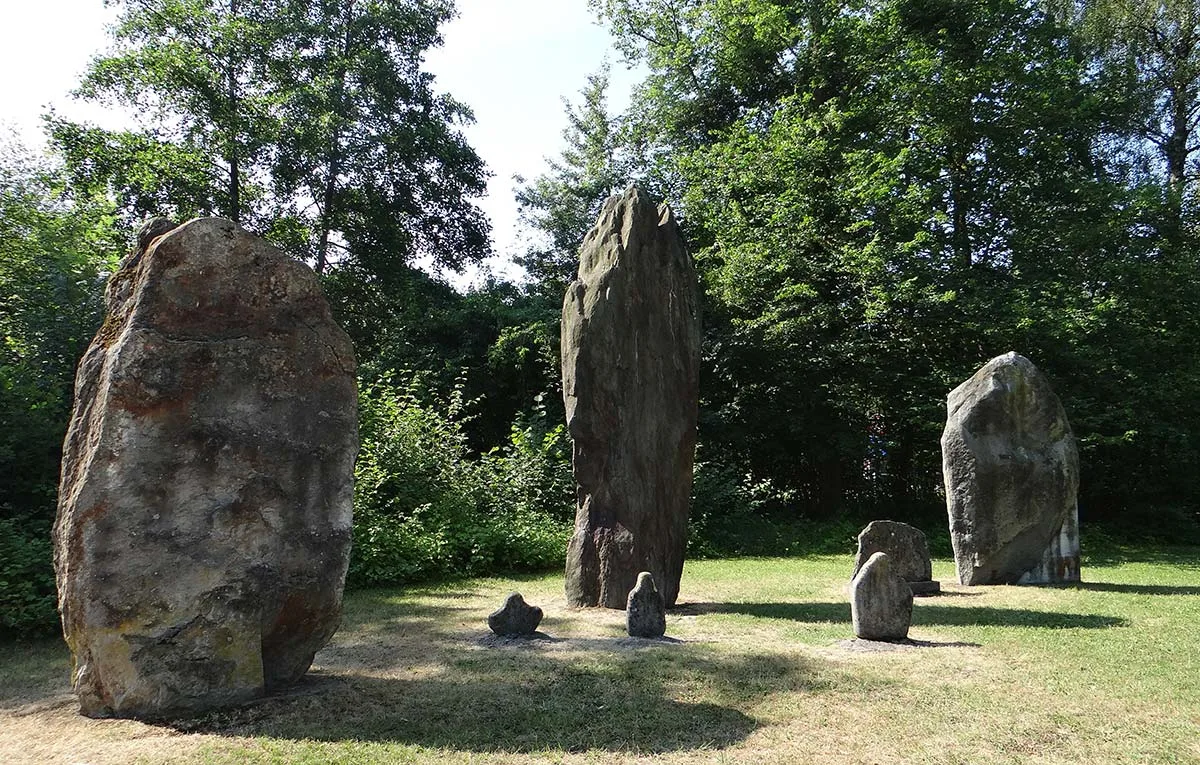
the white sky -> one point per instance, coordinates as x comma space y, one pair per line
511, 61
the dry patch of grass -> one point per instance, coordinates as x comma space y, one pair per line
757, 672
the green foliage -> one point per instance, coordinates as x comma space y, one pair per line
560, 206
424, 508
28, 602
193, 73
733, 514
311, 122
1149, 51
54, 249
143, 174
363, 135
499, 344
882, 195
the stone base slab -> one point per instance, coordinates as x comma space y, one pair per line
925, 589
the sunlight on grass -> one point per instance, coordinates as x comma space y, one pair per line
1103, 672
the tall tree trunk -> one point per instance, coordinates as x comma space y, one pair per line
333, 150
960, 236
233, 158
1176, 152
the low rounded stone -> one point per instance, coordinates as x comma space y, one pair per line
905, 546
515, 617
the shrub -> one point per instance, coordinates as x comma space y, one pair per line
27, 593
730, 514
425, 508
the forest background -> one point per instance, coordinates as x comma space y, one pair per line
879, 197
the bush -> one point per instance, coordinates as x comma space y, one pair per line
727, 514
532, 490
424, 508
733, 514
28, 602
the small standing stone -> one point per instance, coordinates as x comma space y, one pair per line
880, 601
515, 617
645, 613
907, 550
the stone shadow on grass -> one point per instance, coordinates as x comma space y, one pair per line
489, 700
1133, 589
859, 645
923, 615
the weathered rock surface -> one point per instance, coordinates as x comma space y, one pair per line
204, 518
630, 358
515, 617
880, 601
906, 549
1012, 471
645, 612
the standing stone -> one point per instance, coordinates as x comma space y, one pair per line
630, 358
907, 550
1012, 472
515, 617
645, 612
880, 601
204, 516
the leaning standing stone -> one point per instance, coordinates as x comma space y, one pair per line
630, 359
515, 617
880, 601
645, 613
204, 516
1012, 471
906, 549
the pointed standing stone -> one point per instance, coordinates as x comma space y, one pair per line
204, 515
645, 614
880, 601
515, 617
630, 359
1012, 472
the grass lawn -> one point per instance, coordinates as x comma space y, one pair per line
759, 671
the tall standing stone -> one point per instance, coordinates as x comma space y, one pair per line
630, 358
204, 517
1012, 471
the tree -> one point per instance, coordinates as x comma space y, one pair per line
561, 206
369, 163
311, 122
1150, 49
56, 249
882, 195
193, 70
